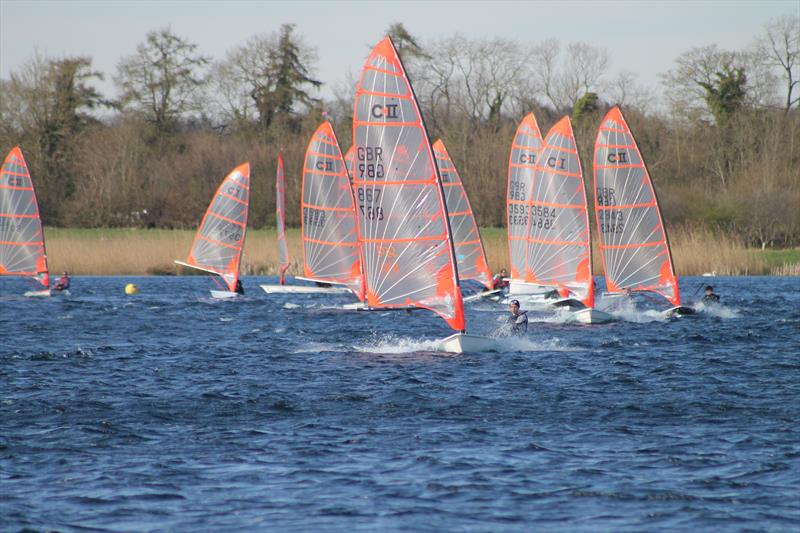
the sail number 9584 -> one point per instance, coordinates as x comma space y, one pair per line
372, 196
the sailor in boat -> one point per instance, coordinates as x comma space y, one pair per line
63, 283
239, 287
518, 320
710, 298
499, 281
557, 293
322, 284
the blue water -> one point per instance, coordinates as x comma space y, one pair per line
170, 411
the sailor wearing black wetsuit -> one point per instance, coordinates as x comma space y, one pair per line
518, 320
710, 298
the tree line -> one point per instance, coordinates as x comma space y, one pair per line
721, 137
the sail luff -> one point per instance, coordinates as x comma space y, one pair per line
219, 241
404, 230
470, 253
521, 163
280, 219
22, 246
633, 239
329, 229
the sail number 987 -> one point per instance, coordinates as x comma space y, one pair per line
371, 196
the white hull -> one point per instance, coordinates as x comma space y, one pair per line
572, 303
224, 295
591, 316
484, 294
44, 293
303, 289
521, 288
680, 311
463, 343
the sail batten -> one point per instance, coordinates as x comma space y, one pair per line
22, 248
633, 240
470, 254
403, 227
558, 239
219, 240
521, 167
330, 239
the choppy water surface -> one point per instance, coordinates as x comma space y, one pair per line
170, 411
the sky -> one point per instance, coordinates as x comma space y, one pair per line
644, 37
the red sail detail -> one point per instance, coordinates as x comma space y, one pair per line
280, 219
470, 254
558, 241
330, 238
521, 164
22, 249
633, 241
403, 227
219, 240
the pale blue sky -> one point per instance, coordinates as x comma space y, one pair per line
642, 36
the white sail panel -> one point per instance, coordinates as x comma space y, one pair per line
521, 165
330, 240
22, 250
558, 241
633, 241
219, 240
403, 227
470, 254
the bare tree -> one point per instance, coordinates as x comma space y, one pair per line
626, 91
779, 47
163, 79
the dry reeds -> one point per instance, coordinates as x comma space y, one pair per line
696, 250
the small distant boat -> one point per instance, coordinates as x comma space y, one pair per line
219, 241
406, 242
521, 167
559, 252
331, 258
470, 254
633, 241
22, 250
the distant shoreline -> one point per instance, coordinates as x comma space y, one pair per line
121, 251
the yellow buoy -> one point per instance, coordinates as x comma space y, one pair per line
131, 288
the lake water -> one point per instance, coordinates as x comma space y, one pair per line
170, 411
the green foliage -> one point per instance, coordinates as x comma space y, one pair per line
726, 94
586, 105
406, 44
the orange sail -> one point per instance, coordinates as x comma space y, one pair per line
330, 240
218, 244
22, 251
521, 165
407, 247
280, 218
349, 157
559, 251
633, 241
470, 254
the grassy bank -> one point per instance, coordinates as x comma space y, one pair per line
136, 251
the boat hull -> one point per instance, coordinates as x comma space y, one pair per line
496, 293
463, 343
591, 316
224, 295
680, 311
302, 289
44, 293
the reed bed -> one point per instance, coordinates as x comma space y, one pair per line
139, 252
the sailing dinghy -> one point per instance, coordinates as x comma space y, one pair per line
559, 252
403, 227
521, 167
633, 241
22, 251
330, 246
218, 243
470, 254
